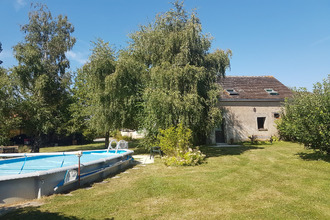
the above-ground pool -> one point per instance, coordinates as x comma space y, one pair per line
31, 176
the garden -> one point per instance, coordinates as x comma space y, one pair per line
265, 181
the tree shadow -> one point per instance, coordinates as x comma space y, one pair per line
316, 155
233, 127
137, 146
33, 213
140, 150
210, 151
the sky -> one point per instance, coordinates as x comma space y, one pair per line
288, 39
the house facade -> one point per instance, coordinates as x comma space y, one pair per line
250, 107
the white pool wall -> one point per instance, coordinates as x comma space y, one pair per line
17, 188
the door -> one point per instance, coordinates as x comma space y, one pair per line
220, 134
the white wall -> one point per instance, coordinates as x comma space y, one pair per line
240, 120
133, 134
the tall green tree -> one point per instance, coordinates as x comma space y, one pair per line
306, 117
9, 102
92, 79
81, 107
42, 73
0, 51
124, 89
181, 82
107, 90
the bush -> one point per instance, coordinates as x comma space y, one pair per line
190, 158
274, 138
175, 142
117, 135
24, 149
306, 118
4, 141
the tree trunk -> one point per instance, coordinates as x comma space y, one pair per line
107, 134
37, 142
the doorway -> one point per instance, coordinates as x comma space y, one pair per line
220, 134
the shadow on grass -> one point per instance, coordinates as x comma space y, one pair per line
222, 151
137, 147
314, 156
139, 150
33, 213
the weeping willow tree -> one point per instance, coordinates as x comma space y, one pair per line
107, 91
91, 107
166, 76
180, 73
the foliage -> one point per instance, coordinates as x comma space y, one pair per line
0, 51
41, 71
274, 138
123, 90
180, 73
253, 139
175, 142
118, 136
107, 90
190, 158
24, 149
81, 107
101, 64
306, 117
9, 101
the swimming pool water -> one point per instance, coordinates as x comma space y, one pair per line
46, 162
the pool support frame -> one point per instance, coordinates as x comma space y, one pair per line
20, 187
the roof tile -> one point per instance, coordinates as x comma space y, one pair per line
253, 87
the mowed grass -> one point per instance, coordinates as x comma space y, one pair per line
278, 181
94, 146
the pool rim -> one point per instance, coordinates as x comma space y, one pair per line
61, 169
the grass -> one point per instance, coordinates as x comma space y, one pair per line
95, 146
133, 145
278, 181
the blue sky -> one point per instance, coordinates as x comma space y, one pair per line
289, 39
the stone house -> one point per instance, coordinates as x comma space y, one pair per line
250, 106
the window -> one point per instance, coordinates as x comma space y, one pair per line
276, 115
271, 91
261, 123
232, 92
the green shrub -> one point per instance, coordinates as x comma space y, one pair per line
24, 149
117, 135
147, 142
306, 118
89, 135
175, 142
274, 138
4, 141
190, 158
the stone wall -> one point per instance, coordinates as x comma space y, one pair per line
240, 120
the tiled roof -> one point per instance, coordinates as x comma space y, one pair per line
253, 87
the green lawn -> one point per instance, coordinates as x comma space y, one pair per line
95, 146
279, 181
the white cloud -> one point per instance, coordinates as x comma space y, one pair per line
76, 56
19, 4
